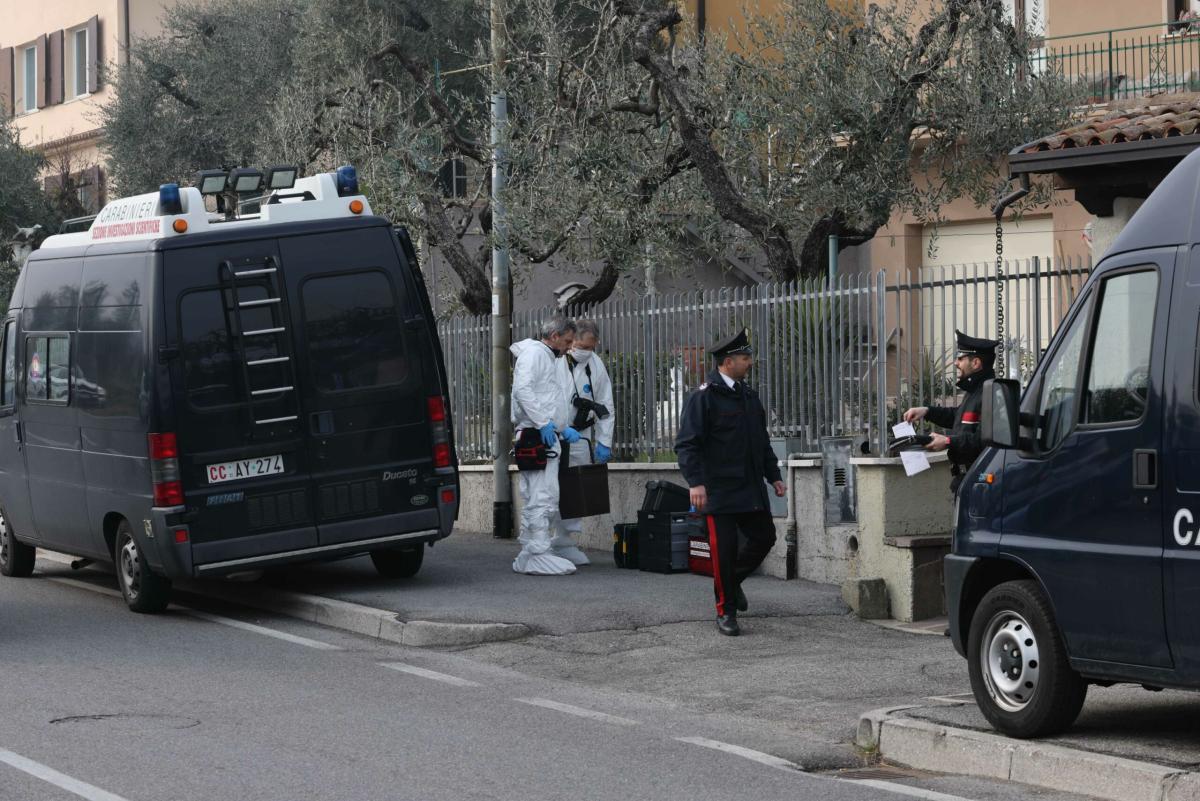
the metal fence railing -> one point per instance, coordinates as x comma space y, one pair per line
840, 360
1126, 62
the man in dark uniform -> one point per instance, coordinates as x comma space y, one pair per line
975, 361
726, 459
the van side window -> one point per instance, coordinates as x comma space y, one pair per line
8, 381
48, 374
353, 332
1056, 408
1118, 380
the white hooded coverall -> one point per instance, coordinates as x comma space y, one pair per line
598, 388
538, 398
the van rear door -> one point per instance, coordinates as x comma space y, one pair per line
362, 392
246, 482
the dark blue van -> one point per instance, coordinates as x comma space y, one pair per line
1076, 555
185, 395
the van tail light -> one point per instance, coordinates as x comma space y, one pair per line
164, 470
439, 430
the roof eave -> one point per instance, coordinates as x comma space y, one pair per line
1072, 158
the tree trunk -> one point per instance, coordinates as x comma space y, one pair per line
473, 273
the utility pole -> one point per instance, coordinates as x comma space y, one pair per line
502, 505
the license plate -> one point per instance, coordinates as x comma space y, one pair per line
244, 468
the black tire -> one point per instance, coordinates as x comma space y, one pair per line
144, 591
16, 558
1027, 687
399, 562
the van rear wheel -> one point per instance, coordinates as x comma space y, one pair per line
16, 558
1017, 660
399, 562
144, 591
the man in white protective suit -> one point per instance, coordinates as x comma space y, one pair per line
592, 416
540, 402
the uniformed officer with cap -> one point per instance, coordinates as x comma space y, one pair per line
975, 360
726, 458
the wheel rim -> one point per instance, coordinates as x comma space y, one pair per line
131, 571
1011, 661
5, 547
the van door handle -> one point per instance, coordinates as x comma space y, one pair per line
321, 422
1145, 469
17, 433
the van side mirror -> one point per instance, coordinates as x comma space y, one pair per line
1001, 413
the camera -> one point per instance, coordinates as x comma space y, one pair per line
584, 409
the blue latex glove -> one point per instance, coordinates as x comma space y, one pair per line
570, 435
548, 436
603, 454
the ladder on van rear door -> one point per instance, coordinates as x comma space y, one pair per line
277, 352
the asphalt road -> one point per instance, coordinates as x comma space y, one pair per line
102, 704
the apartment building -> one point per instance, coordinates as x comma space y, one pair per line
56, 62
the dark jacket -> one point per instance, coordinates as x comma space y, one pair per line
723, 446
966, 443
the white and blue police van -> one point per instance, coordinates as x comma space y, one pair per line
188, 394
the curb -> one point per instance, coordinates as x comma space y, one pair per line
946, 749
355, 618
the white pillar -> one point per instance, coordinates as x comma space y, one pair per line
1106, 229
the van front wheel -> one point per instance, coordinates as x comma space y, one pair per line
143, 590
1020, 675
16, 558
399, 562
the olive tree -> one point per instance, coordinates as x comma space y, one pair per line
828, 118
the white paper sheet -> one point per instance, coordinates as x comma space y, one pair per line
903, 430
914, 462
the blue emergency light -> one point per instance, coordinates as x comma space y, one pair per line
347, 181
168, 199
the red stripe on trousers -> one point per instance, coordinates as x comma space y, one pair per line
716, 566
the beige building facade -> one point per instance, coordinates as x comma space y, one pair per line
56, 62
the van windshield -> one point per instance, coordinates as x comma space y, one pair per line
353, 332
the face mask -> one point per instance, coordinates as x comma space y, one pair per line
580, 355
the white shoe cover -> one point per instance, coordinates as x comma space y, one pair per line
542, 564
572, 554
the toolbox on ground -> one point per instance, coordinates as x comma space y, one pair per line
663, 496
625, 545
663, 541
699, 548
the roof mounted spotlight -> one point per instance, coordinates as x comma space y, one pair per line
281, 177
169, 201
211, 182
245, 179
347, 181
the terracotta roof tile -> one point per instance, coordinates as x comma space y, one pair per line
1128, 120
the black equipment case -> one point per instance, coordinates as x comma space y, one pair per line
663, 541
663, 496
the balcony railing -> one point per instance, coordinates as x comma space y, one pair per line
1126, 62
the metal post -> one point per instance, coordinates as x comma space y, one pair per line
833, 258
502, 507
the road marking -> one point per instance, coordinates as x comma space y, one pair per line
904, 789
577, 711
84, 585
445, 678
263, 630
747, 753
60, 780
224, 621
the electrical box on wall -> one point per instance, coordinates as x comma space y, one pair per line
841, 502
